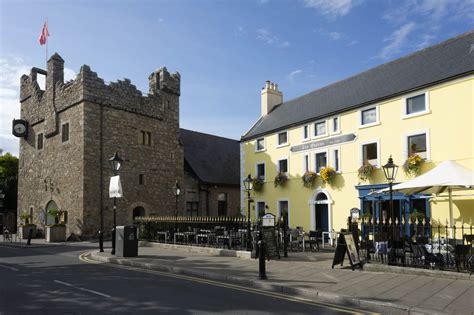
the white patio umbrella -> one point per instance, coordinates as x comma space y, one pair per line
448, 175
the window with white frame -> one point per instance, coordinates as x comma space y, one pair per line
305, 163
335, 125
320, 128
283, 166
260, 209
283, 138
261, 171
370, 153
369, 116
336, 160
321, 161
415, 104
260, 145
417, 144
306, 132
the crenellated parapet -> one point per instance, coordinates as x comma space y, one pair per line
43, 105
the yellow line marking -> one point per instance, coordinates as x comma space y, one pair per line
280, 296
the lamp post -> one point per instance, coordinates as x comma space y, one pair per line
390, 171
115, 164
177, 192
248, 185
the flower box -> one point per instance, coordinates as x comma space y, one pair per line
23, 230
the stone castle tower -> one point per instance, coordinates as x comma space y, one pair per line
76, 126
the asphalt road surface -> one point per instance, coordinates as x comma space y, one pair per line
54, 280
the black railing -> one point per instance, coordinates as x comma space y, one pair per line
222, 232
418, 243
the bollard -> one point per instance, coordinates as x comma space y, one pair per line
30, 235
261, 260
101, 241
113, 242
285, 237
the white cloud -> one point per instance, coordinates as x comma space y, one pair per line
396, 41
430, 16
354, 42
292, 74
332, 8
11, 69
335, 35
269, 38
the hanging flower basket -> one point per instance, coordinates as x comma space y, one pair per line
280, 179
308, 179
412, 165
257, 184
327, 174
365, 171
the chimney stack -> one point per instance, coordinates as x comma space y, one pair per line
270, 97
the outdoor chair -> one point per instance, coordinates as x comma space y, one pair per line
314, 237
462, 256
296, 239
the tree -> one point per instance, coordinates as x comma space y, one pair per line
9, 180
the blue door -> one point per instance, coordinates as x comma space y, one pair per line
322, 217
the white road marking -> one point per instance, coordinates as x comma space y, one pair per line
82, 289
11, 268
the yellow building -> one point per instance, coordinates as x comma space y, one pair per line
421, 104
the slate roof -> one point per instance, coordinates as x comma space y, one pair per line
447, 60
214, 160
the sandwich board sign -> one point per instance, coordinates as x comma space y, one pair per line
346, 244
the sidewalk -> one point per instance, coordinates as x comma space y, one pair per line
314, 279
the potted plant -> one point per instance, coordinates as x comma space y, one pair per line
366, 217
56, 232
365, 171
416, 217
327, 174
26, 226
257, 184
308, 179
280, 179
412, 165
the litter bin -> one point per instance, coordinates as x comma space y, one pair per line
126, 241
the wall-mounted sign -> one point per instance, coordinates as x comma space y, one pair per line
324, 143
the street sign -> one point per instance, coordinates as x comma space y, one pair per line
115, 187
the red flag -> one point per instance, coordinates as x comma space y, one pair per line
44, 34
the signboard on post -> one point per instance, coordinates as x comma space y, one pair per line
115, 187
268, 235
268, 220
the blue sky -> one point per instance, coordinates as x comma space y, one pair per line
224, 50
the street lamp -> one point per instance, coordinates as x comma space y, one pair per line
115, 164
248, 185
390, 171
177, 192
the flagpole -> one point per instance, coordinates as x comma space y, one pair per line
47, 44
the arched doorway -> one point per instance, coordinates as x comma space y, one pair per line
49, 206
321, 212
138, 212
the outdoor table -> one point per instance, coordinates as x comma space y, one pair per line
164, 234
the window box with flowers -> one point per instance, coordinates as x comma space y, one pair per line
280, 179
412, 165
327, 174
308, 179
365, 171
257, 184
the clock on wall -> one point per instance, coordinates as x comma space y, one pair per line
20, 128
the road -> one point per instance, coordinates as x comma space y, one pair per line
52, 280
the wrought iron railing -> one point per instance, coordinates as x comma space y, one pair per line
418, 243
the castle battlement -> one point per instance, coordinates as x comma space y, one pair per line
161, 103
